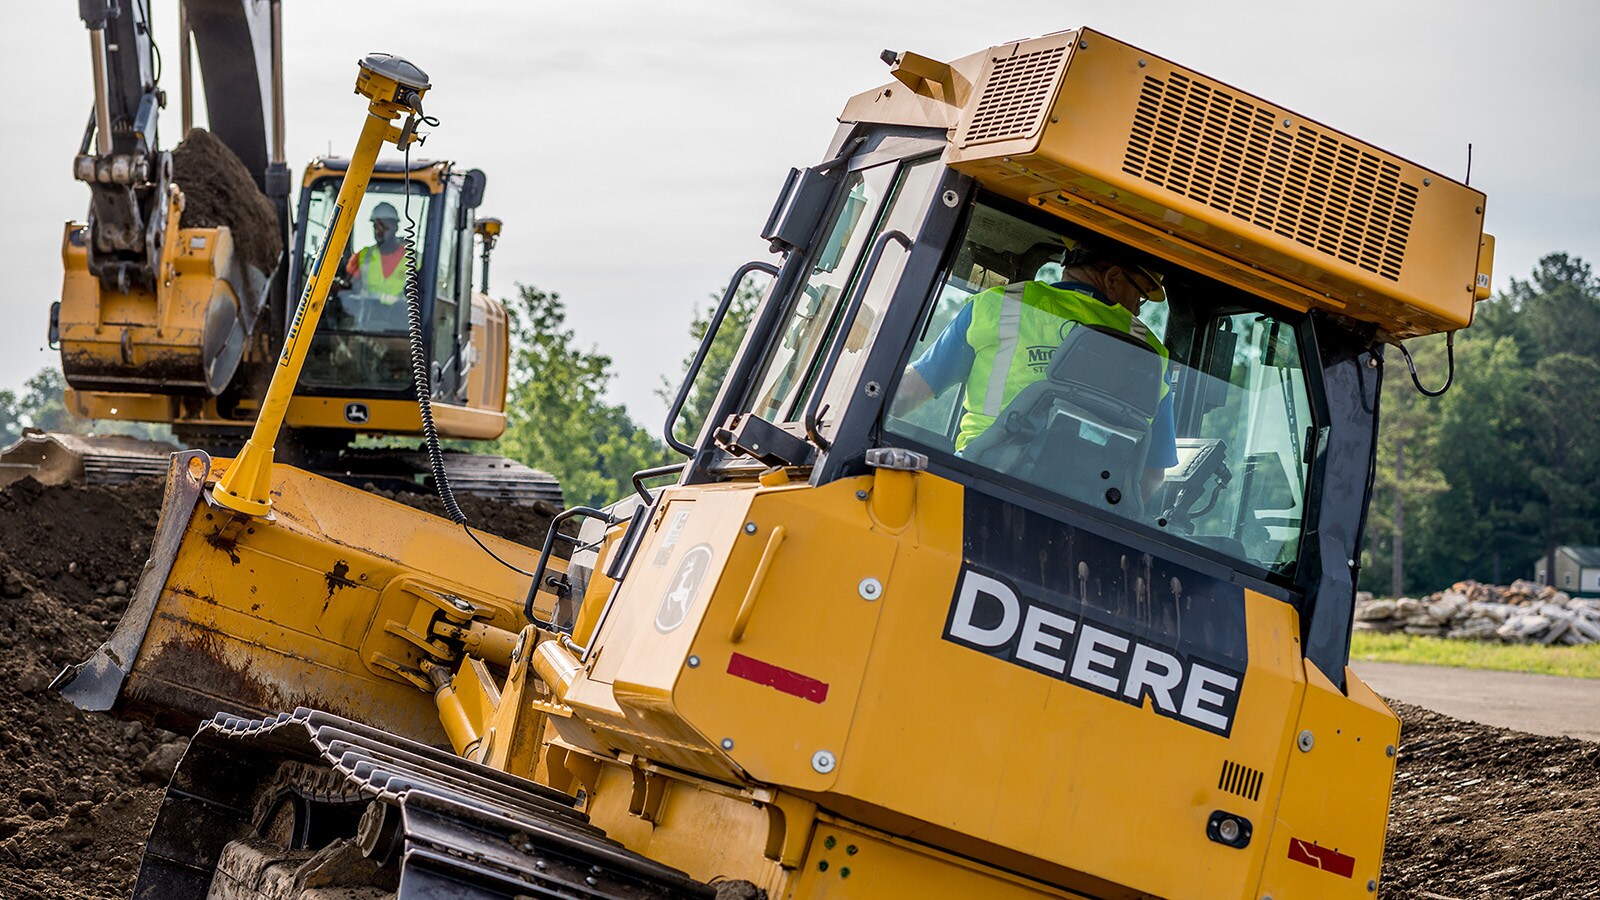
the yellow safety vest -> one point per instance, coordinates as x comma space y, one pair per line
387, 288
1014, 333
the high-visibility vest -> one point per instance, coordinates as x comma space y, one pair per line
388, 288
1014, 333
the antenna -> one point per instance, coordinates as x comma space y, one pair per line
1469, 164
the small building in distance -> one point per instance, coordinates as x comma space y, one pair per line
1577, 570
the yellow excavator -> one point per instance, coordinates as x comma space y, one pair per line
1074, 622
177, 289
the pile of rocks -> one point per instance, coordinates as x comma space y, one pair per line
1523, 613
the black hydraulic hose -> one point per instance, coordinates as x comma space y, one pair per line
1450, 355
421, 382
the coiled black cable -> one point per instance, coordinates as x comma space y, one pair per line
421, 382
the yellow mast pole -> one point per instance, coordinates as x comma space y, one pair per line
394, 88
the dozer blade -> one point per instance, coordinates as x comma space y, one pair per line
50, 457
337, 601
456, 828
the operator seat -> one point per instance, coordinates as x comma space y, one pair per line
1084, 429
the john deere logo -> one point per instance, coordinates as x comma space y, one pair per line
683, 587
356, 413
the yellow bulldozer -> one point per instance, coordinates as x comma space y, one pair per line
177, 290
1017, 559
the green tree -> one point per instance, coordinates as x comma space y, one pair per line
1557, 310
1565, 464
703, 393
1407, 477
557, 418
1482, 527
41, 404
1515, 443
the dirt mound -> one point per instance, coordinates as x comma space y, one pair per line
78, 802
83, 788
219, 190
1478, 811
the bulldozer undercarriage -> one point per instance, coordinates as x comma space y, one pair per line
312, 806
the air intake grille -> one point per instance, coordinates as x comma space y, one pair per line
1016, 97
1298, 182
1241, 780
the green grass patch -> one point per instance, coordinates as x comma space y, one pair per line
1569, 661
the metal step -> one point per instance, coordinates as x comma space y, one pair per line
455, 828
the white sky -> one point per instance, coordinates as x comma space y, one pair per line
634, 149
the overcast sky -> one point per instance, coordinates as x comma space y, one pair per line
634, 149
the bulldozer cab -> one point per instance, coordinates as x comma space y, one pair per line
362, 348
1198, 436
1089, 538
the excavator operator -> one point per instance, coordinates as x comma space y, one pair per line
1003, 339
378, 275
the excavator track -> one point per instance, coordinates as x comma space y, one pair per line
475, 474
57, 458
356, 812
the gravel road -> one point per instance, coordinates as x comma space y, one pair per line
1540, 704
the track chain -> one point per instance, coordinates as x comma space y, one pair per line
457, 828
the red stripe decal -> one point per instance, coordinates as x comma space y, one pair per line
805, 687
1325, 858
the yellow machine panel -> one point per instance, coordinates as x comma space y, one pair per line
1134, 145
727, 622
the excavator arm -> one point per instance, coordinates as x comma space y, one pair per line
119, 158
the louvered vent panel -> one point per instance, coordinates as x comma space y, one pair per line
1301, 183
1241, 780
1016, 97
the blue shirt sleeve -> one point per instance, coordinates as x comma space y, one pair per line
1164, 436
949, 358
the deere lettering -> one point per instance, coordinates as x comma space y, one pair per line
990, 616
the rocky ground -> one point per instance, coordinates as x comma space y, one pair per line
1478, 811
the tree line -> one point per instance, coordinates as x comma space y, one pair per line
1485, 480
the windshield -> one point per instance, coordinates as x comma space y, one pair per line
361, 341
1189, 416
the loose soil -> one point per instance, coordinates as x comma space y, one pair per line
1478, 811
219, 190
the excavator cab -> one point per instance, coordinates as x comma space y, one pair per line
362, 349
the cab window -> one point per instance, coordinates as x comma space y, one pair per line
1190, 419
891, 195
362, 340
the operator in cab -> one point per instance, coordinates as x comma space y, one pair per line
377, 274
1004, 338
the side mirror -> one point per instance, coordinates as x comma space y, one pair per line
793, 223
472, 188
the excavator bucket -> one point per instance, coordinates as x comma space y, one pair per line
184, 328
339, 601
